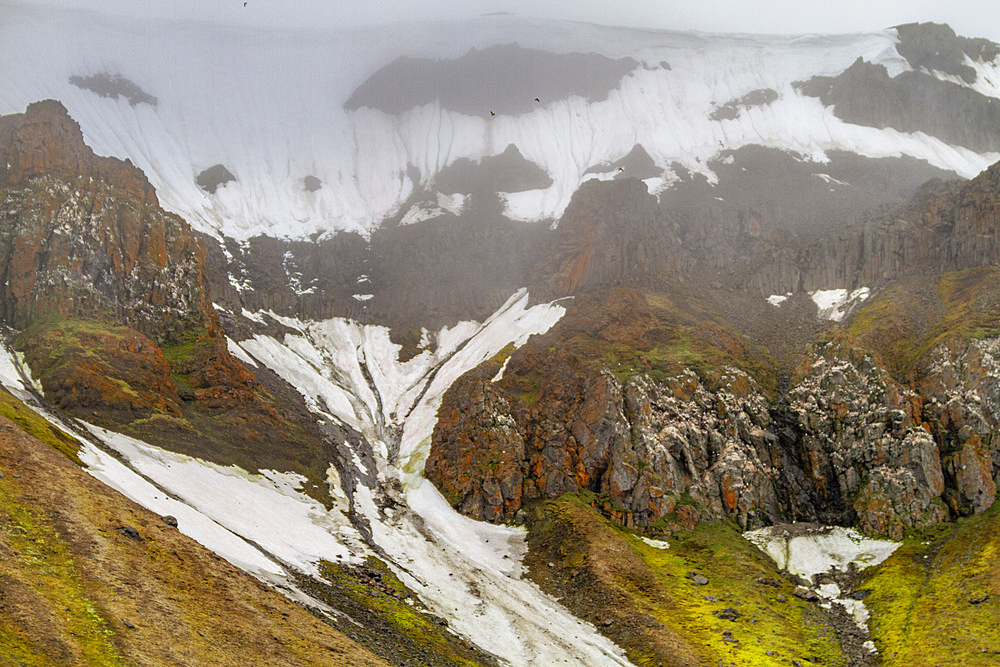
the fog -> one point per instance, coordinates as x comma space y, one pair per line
973, 18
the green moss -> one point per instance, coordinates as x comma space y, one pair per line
904, 323
391, 609
40, 564
33, 424
921, 596
792, 628
642, 579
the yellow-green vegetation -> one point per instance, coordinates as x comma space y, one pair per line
936, 600
660, 336
48, 617
187, 395
908, 320
644, 598
33, 424
392, 620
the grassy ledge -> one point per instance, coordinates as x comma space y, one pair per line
927, 601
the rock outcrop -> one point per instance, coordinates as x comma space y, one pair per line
82, 235
115, 310
845, 442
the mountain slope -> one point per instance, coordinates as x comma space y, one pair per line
89, 577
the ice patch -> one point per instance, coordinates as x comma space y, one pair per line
656, 544
833, 304
777, 299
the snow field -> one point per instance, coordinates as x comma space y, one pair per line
269, 106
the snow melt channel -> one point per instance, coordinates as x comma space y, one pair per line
811, 551
465, 571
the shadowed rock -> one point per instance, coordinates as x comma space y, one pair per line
507, 172
755, 98
635, 164
504, 79
114, 86
865, 94
213, 177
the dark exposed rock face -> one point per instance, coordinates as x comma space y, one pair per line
507, 172
963, 408
114, 86
934, 46
865, 94
755, 98
213, 178
862, 445
612, 234
429, 274
635, 164
502, 79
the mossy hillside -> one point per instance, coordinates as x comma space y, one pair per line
643, 598
630, 333
75, 590
35, 425
388, 618
48, 616
922, 596
910, 319
189, 396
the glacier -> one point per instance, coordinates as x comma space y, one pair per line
268, 103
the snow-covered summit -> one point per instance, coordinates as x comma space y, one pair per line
271, 107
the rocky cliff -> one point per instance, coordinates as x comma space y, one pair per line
82, 235
115, 312
670, 420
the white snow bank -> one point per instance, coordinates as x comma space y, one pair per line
190, 521
267, 508
808, 551
833, 304
268, 104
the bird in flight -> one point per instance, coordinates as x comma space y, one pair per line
492, 113
537, 100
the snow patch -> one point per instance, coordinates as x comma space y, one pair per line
239, 353
656, 544
808, 550
268, 507
833, 304
777, 299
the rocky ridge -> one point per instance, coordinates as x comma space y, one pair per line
841, 441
